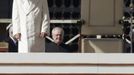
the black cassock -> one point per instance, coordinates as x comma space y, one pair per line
52, 47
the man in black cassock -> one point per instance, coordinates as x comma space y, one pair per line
57, 45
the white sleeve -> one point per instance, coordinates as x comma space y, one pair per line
15, 18
45, 20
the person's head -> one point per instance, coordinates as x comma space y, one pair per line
57, 35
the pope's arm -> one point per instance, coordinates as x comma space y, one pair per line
45, 19
16, 20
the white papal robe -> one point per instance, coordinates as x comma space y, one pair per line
30, 18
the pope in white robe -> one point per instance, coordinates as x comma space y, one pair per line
31, 23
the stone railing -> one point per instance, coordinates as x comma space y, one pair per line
66, 64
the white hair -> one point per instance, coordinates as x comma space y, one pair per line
59, 29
